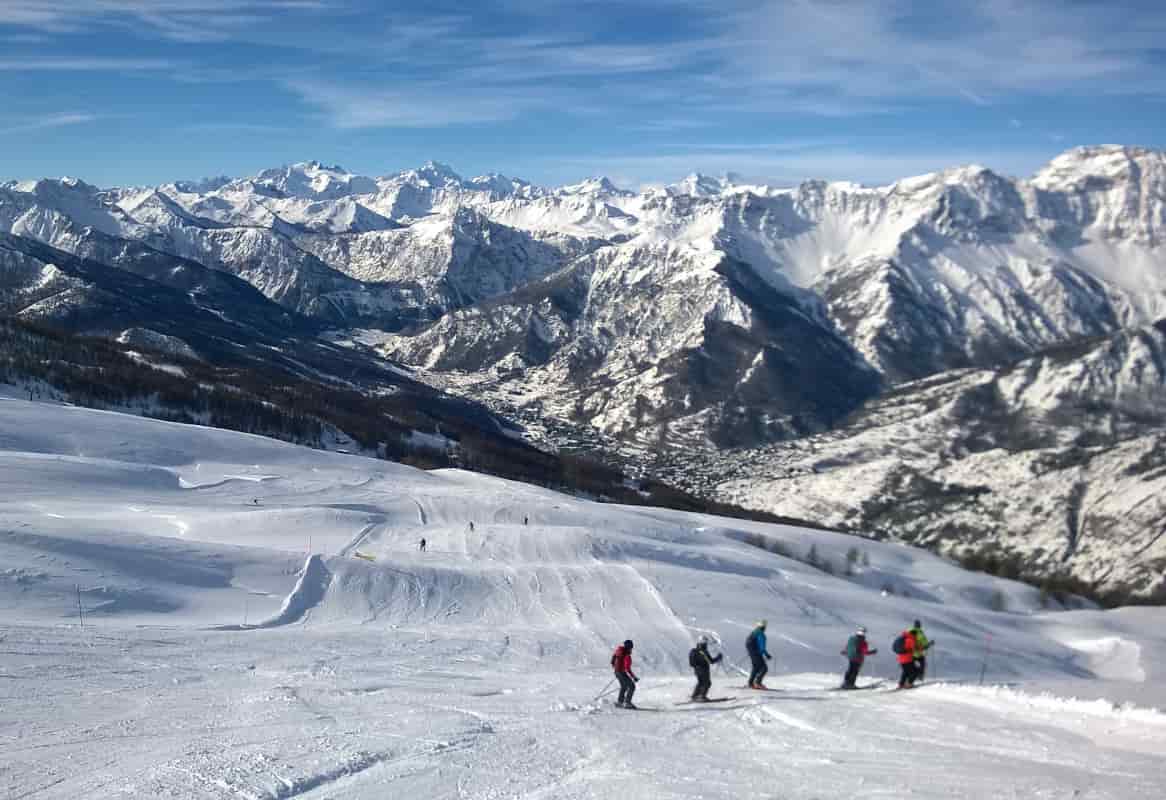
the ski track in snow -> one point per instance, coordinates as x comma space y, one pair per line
471, 671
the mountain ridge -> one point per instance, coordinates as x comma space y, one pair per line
685, 320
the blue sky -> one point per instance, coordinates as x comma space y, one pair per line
144, 91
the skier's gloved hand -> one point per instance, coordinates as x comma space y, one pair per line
768, 657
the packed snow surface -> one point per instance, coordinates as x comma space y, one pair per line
259, 623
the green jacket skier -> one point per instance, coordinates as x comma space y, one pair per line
922, 645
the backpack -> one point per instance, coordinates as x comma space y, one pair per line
694, 659
751, 644
900, 644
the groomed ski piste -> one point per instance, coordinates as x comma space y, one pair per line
258, 623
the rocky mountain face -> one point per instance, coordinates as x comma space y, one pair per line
720, 322
1057, 463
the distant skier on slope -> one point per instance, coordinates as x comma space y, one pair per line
857, 649
621, 663
758, 654
922, 645
904, 647
701, 662
421, 545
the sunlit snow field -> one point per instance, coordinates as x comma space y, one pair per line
216, 660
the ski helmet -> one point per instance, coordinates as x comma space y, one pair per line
918, 624
761, 623
703, 640
861, 630
627, 644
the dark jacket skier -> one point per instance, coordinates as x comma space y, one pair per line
856, 652
621, 664
758, 654
700, 661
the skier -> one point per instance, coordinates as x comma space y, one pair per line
700, 661
755, 646
857, 649
922, 645
526, 520
422, 544
904, 647
621, 663
471, 526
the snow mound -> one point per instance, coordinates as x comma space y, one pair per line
1112, 657
307, 594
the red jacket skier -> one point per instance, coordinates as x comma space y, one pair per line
906, 656
856, 651
621, 664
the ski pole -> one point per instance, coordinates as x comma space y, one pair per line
604, 692
732, 664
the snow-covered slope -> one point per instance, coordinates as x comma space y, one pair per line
258, 621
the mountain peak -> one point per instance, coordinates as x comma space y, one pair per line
313, 180
598, 185
699, 185
1107, 162
317, 166
441, 172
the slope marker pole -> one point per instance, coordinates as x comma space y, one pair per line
80, 614
987, 652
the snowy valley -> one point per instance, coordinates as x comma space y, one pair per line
198, 613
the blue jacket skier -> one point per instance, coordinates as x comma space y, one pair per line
758, 654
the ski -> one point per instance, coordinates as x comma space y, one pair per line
702, 702
762, 689
874, 685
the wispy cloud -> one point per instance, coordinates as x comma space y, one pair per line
57, 120
975, 49
812, 58
416, 105
180, 20
577, 76
235, 127
84, 64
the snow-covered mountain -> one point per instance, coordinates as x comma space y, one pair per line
1057, 463
708, 314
